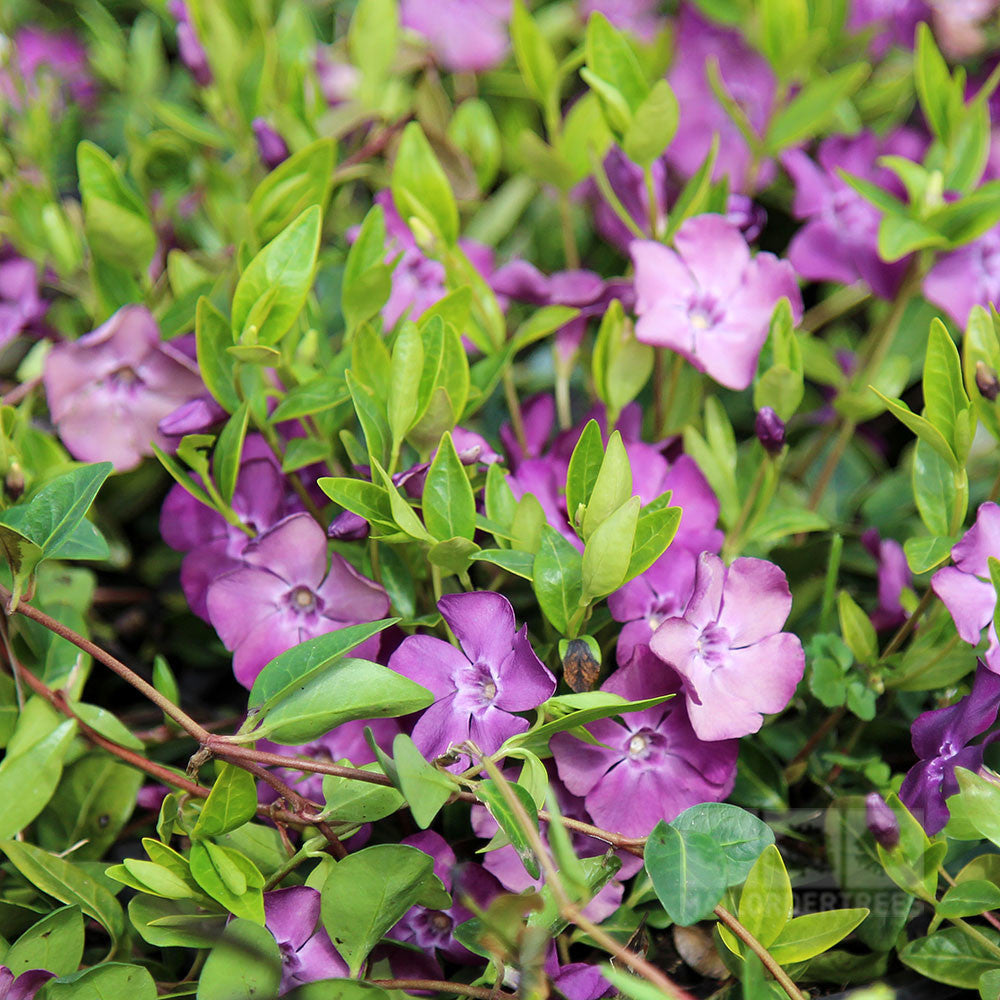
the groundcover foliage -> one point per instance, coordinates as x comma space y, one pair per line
499, 498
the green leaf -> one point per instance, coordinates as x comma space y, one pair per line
557, 579
922, 427
653, 125
367, 280
933, 83
612, 487
314, 396
949, 956
688, 872
611, 58
982, 803
272, 290
519, 563
230, 878
231, 803
584, 466
369, 890
491, 795
372, 39
740, 835
420, 187
933, 489
766, 900
244, 965
448, 504
345, 691
541, 323
813, 933
352, 801
608, 552
426, 788
534, 55
925, 554
857, 629
944, 392
969, 899
404, 379
212, 337
110, 981
654, 531
177, 923
28, 780
304, 179
228, 451
371, 416
362, 498
989, 984
294, 667
55, 943
338, 989
68, 883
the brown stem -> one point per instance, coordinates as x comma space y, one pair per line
817, 737
126, 673
830, 466
761, 952
440, 986
908, 626
19, 392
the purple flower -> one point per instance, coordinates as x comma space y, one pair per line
338, 81
941, 740
734, 661
466, 36
965, 588
748, 79
284, 594
307, 953
476, 687
576, 980
109, 390
881, 821
271, 147
508, 868
38, 53
709, 300
641, 17
197, 416
213, 545
839, 241
432, 930
893, 577
770, 430
24, 986
21, 307
651, 765
191, 51
895, 21
966, 277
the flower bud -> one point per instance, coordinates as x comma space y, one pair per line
987, 382
770, 430
348, 527
272, 148
881, 821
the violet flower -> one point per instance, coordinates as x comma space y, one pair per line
881, 821
476, 687
966, 277
466, 36
37, 53
213, 545
651, 765
577, 980
24, 986
189, 48
893, 22
641, 17
839, 241
270, 145
709, 300
941, 740
197, 416
338, 81
432, 931
21, 307
966, 589
284, 594
108, 391
307, 953
893, 577
735, 663
748, 79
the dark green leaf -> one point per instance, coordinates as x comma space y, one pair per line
491, 795
688, 872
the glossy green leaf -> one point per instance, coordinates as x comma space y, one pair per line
608, 552
420, 188
811, 934
212, 336
933, 489
944, 392
766, 900
404, 379
231, 803
584, 466
740, 835
969, 899
534, 55
925, 554
949, 956
245, 964
304, 179
174, 923
426, 788
857, 629
655, 529
688, 872
653, 126
491, 795
110, 981
448, 504
352, 801
557, 579
55, 943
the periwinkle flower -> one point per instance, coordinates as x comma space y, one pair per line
941, 740
641, 17
750, 82
651, 765
478, 686
770, 430
893, 577
710, 300
108, 391
577, 980
893, 22
966, 277
271, 147
37, 53
966, 588
21, 307
881, 821
24, 986
285, 592
735, 663
466, 36
191, 51
839, 241
432, 931
338, 81
307, 953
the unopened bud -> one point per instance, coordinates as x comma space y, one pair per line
881, 821
987, 382
14, 481
271, 147
770, 430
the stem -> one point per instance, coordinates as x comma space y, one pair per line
514, 405
903, 633
989, 917
833, 306
653, 208
302, 854
439, 986
293, 477
564, 412
760, 951
817, 737
830, 466
981, 939
735, 535
570, 251
667, 399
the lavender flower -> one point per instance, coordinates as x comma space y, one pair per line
476, 687
893, 577
466, 36
734, 661
709, 300
576, 980
307, 953
191, 51
21, 307
108, 391
284, 594
641, 17
770, 430
37, 53
338, 81
652, 765
24, 986
881, 821
941, 740
432, 931
966, 277
839, 241
271, 147
894, 22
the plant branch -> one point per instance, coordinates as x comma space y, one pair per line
760, 951
908, 626
440, 986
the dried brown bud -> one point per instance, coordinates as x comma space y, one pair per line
987, 382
